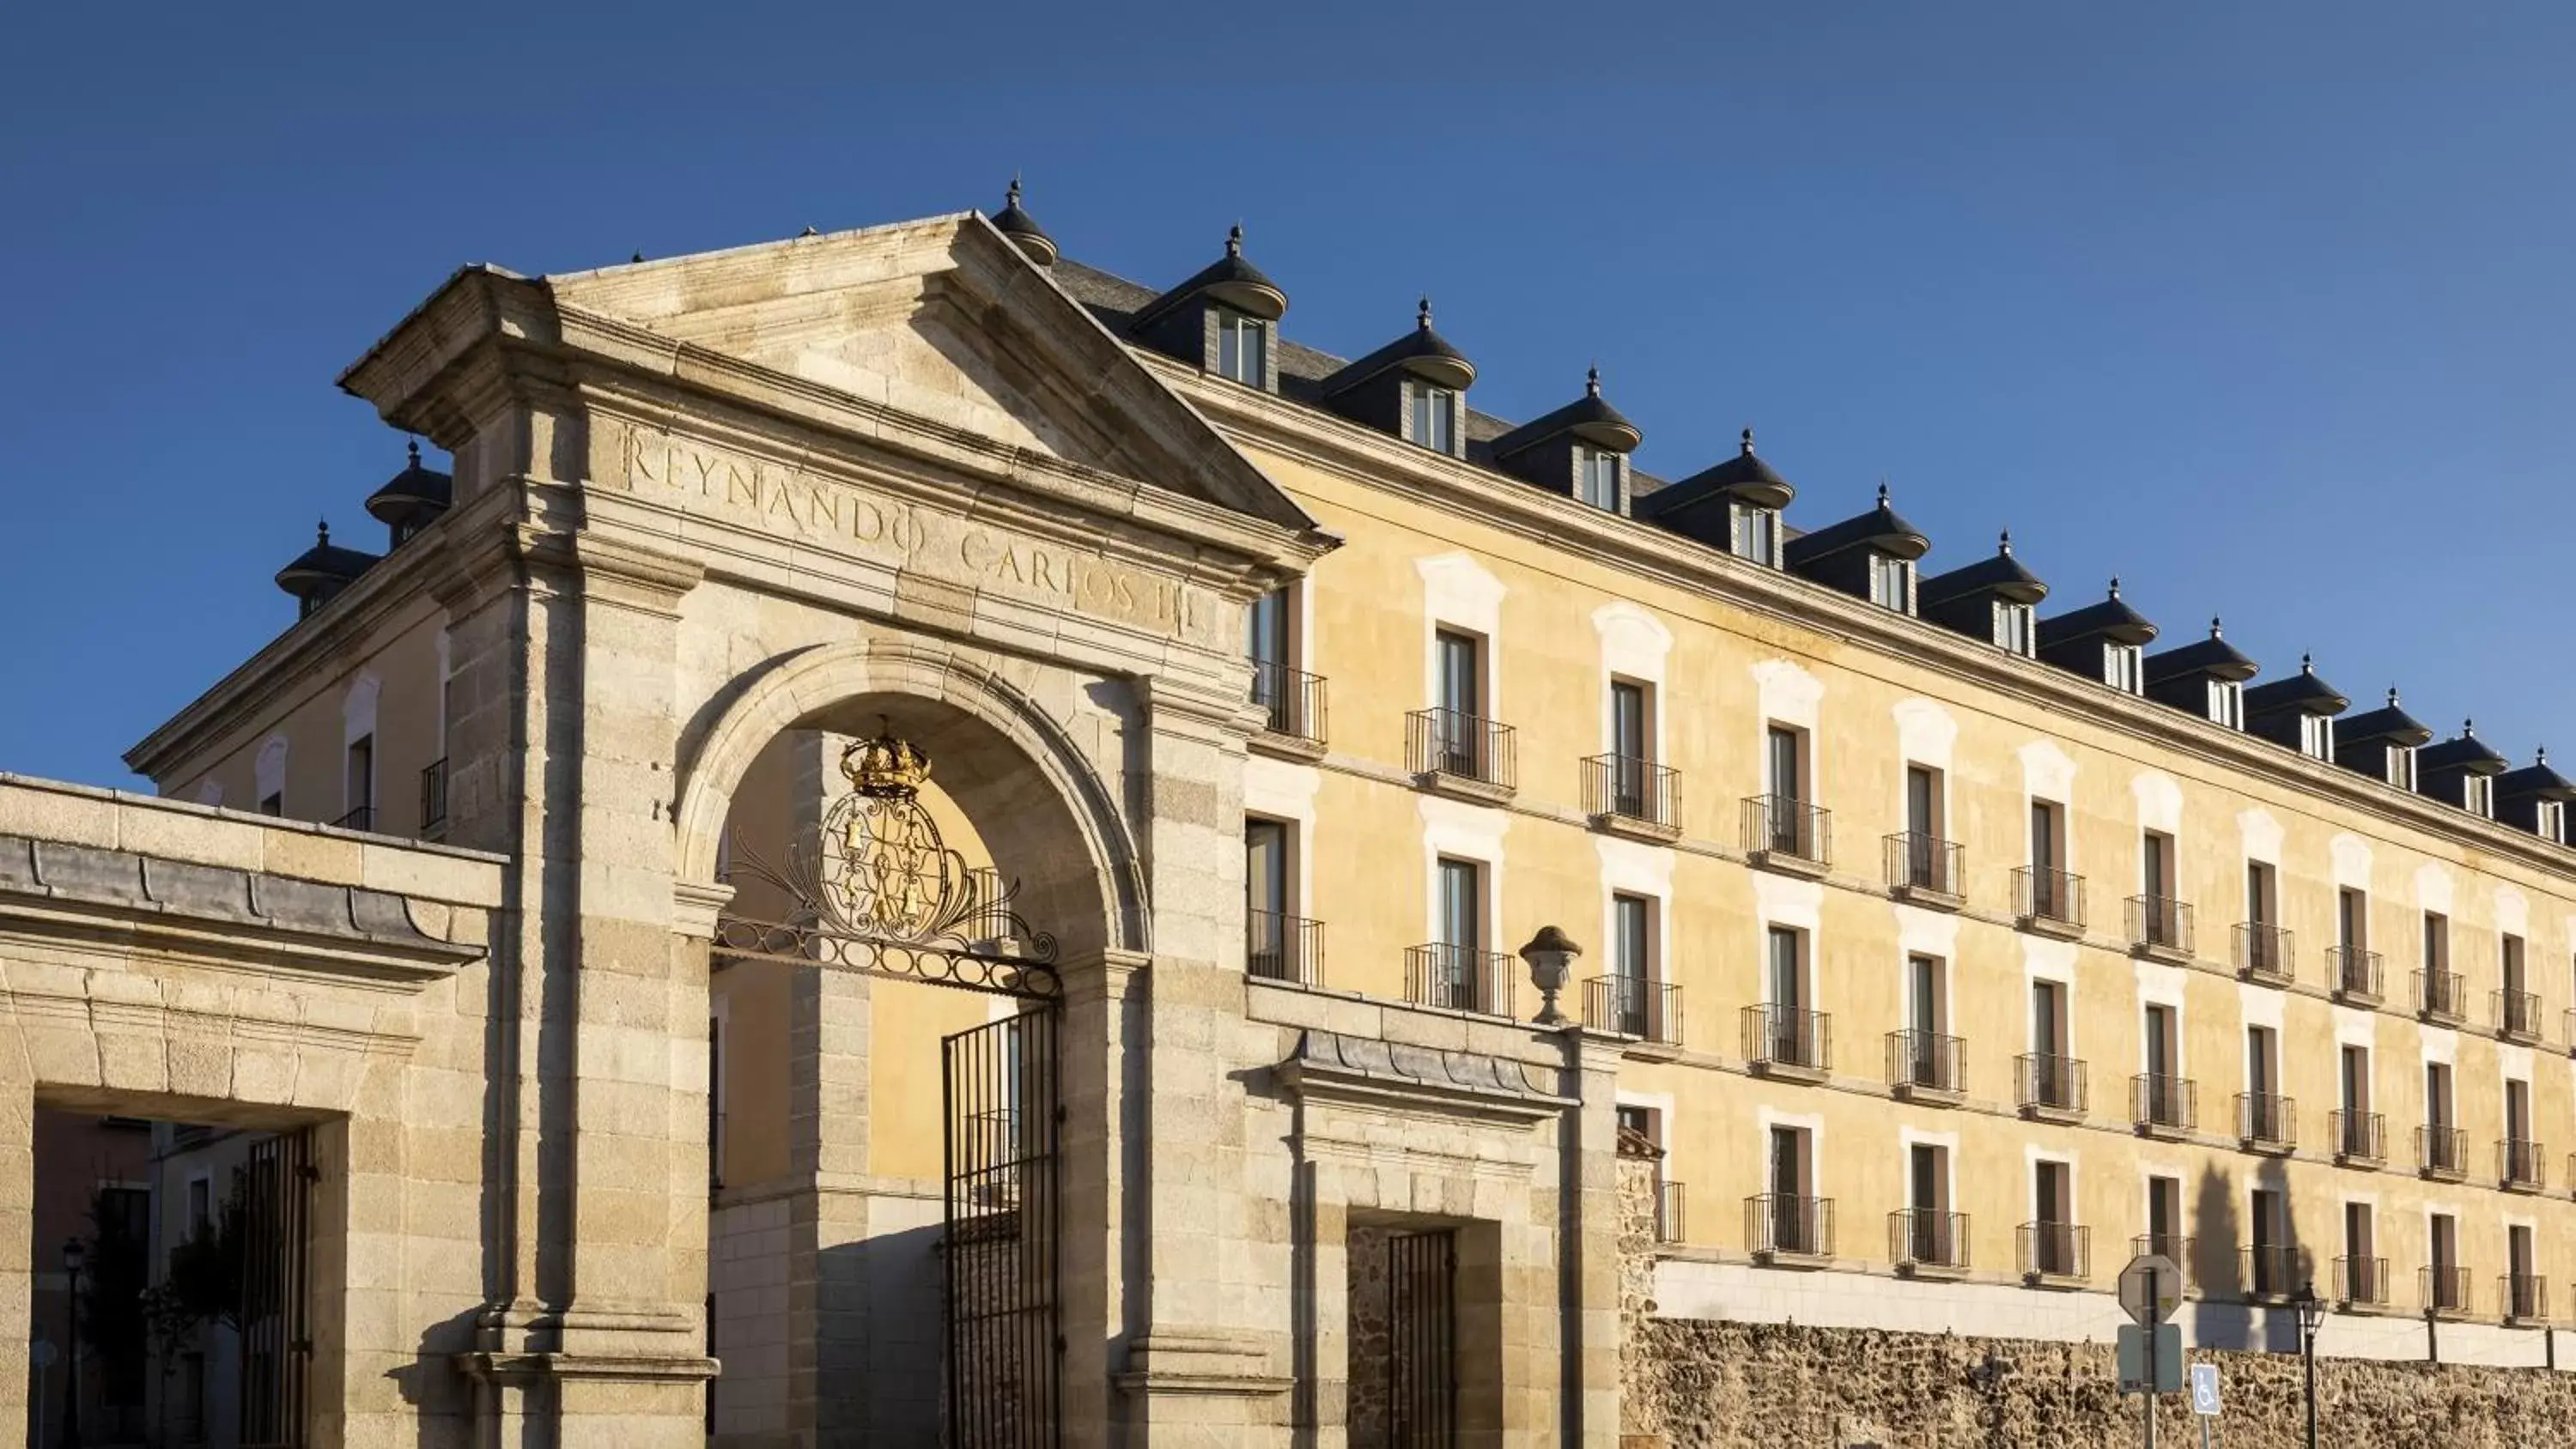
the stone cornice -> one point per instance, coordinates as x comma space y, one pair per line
1634, 546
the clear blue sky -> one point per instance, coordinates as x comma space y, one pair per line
2266, 308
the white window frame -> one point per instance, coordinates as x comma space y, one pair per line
2124, 668
1891, 582
2016, 628
2477, 794
1236, 327
2551, 821
2227, 703
2316, 736
2401, 766
1596, 477
1753, 533
1440, 406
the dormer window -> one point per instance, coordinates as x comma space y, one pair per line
2551, 821
2227, 703
2124, 667
1434, 417
2477, 795
1891, 583
1755, 533
2016, 628
1242, 347
2401, 766
1596, 477
2316, 736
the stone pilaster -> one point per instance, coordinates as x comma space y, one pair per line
1590, 1243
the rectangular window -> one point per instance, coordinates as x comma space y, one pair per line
1785, 763
2477, 793
2164, 1216
2437, 948
1788, 983
1927, 996
2048, 1018
1928, 1186
1923, 801
2124, 668
2053, 1198
359, 797
2437, 1095
1462, 905
2227, 703
2259, 904
2356, 1080
2156, 866
201, 1208
2446, 1262
2517, 1110
2352, 920
2047, 843
2164, 1045
1631, 733
1265, 867
2357, 1241
1789, 1161
1462, 688
2316, 736
1266, 628
2262, 1061
1756, 533
2014, 629
2550, 821
2401, 766
1433, 420
1891, 583
1596, 477
1242, 348
1633, 938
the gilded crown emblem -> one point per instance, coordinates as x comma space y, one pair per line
886, 767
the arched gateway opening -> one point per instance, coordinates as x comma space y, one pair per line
912, 875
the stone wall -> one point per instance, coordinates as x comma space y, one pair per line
1372, 1308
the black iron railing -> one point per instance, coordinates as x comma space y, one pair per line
1782, 825
1463, 746
2175, 1247
2160, 923
1670, 1222
1926, 1061
2442, 996
1781, 1223
362, 818
1920, 862
1927, 1237
2269, 1270
2264, 953
2442, 1151
1459, 978
1632, 789
2163, 1102
2359, 1137
2267, 1119
1784, 1036
2353, 973
1279, 947
1293, 698
2043, 894
2051, 1083
433, 795
2521, 1165
2525, 1297
2445, 1289
2516, 1014
2054, 1250
2361, 1280
1634, 1006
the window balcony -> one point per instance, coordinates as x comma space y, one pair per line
362, 818
2521, 1165
2444, 1291
1459, 978
1925, 1066
1783, 1041
2050, 902
1789, 1231
2263, 953
1650, 1011
2516, 1015
2269, 1271
1286, 948
2160, 927
2360, 1138
2267, 1122
1926, 870
433, 798
1628, 796
2175, 1248
2352, 974
1928, 1243
2055, 1255
2525, 1297
1670, 1224
2361, 1283
1461, 754
2163, 1105
2442, 1152
2442, 997
2050, 1088
1293, 701
1784, 833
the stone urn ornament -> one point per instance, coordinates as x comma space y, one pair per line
1550, 955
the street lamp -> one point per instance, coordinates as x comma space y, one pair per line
74, 1254
2312, 1316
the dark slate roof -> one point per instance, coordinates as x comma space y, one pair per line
2111, 618
1420, 350
324, 563
2213, 656
1236, 282
2535, 780
2000, 575
2464, 752
414, 488
1880, 529
2303, 691
2391, 724
1744, 476
1587, 417
1023, 229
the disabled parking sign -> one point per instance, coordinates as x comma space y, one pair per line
2204, 1390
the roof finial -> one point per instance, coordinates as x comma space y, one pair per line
413, 447
1592, 381
2468, 729
2307, 662
2115, 586
1882, 493
1012, 197
2004, 545
2213, 626
1234, 240
639, 256
322, 533
2541, 756
1748, 442
809, 231
2392, 696
1422, 314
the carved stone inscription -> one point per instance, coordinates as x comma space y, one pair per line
829, 513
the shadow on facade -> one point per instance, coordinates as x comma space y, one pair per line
2231, 1314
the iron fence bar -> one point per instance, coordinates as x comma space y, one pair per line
1280, 947
1786, 825
1293, 699
2266, 952
1451, 742
1917, 861
2355, 972
1633, 788
2044, 894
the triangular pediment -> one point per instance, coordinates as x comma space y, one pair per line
943, 320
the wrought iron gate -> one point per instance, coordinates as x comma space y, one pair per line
1004, 1349
1422, 1340
276, 1299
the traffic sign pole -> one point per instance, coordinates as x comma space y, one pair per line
2153, 1378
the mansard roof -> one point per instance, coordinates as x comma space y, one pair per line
324, 565
2111, 619
2390, 725
2536, 780
1421, 351
1229, 279
1023, 229
414, 490
2212, 657
1999, 574
1880, 530
2463, 752
1587, 417
2304, 691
